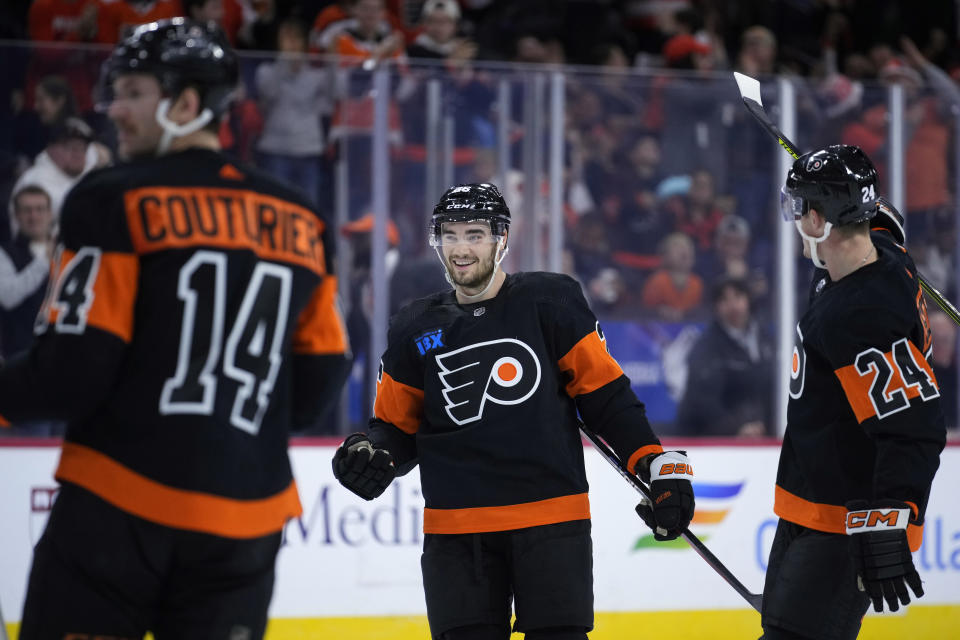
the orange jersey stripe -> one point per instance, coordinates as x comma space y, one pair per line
642, 452
590, 365
178, 508
399, 404
813, 515
513, 516
174, 218
320, 328
114, 293
857, 386
827, 517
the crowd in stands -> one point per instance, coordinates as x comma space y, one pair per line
669, 184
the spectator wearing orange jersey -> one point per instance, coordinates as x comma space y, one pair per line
337, 18
674, 292
62, 20
116, 18
370, 37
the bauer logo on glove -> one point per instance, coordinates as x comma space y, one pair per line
672, 505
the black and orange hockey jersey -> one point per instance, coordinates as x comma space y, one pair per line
192, 323
864, 419
485, 397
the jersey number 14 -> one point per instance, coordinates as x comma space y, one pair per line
252, 350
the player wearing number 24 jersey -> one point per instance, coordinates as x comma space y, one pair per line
864, 423
192, 322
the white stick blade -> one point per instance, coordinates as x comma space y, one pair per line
749, 87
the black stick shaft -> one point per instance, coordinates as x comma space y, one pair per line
756, 109
755, 600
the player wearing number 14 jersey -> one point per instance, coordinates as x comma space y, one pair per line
192, 323
864, 424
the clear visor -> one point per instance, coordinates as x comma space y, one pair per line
791, 206
470, 232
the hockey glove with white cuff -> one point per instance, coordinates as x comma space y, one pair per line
361, 468
669, 476
881, 553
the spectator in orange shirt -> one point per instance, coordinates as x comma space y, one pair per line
371, 37
674, 292
62, 20
329, 24
116, 18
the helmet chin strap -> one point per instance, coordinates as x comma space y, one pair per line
501, 254
173, 130
813, 242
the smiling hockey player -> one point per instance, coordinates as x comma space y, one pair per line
864, 425
481, 386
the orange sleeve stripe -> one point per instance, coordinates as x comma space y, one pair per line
914, 536
857, 387
4, 422
505, 518
642, 452
320, 327
399, 404
590, 365
177, 508
114, 293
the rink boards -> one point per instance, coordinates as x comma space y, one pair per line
350, 568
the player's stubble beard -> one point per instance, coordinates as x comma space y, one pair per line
478, 276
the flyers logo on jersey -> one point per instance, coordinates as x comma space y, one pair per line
798, 366
504, 371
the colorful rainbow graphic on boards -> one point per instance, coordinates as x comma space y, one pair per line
713, 504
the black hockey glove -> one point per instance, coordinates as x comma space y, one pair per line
890, 219
668, 474
362, 469
878, 543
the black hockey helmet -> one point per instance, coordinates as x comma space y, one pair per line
476, 201
181, 53
839, 181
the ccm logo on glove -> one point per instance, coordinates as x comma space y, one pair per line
877, 520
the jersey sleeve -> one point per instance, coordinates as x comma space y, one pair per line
891, 389
398, 408
595, 381
320, 347
86, 321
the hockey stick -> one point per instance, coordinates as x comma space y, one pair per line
755, 600
750, 92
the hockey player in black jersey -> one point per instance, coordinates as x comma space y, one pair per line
864, 425
191, 324
481, 386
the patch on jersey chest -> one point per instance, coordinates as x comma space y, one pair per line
429, 341
798, 366
504, 371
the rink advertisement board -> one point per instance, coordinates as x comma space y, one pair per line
349, 558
